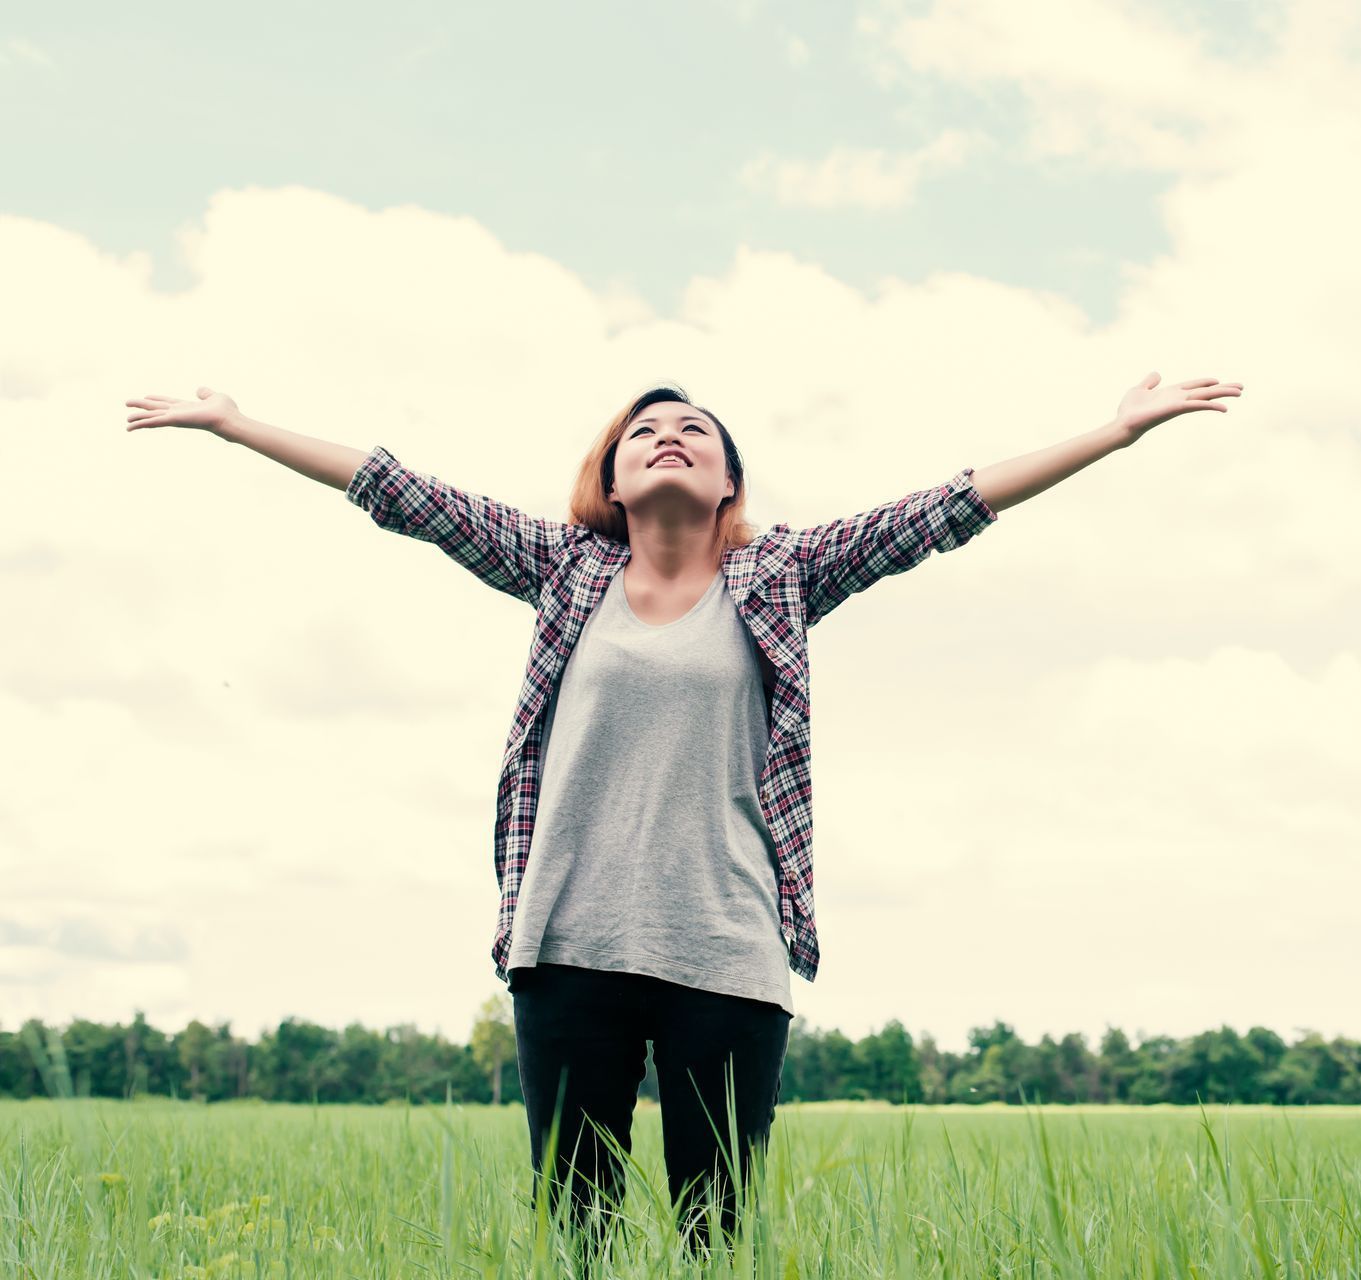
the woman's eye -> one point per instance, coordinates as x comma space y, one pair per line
689, 426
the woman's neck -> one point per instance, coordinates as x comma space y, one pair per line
674, 553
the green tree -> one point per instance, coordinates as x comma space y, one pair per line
997, 1068
935, 1068
299, 1061
290, 1063
1076, 1069
1042, 1075
801, 1079
355, 1063
1267, 1048
836, 1053
15, 1067
24, 1070
493, 1040
192, 1047
1318, 1071
1117, 1066
149, 1065
1215, 1066
887, 1064
96, 1058
1150, 1081
228, 1064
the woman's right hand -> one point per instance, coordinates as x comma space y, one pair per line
209, 412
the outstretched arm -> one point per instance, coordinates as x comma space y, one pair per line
497, 542
1004, 484
500, 544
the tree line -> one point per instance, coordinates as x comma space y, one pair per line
300, 1061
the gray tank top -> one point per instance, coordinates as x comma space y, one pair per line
650, 853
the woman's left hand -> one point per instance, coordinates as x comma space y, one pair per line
1147, 404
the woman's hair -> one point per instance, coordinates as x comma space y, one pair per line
590, 506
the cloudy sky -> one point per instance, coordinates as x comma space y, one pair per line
1093, 768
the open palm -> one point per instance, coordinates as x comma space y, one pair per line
206, 413
1147, 404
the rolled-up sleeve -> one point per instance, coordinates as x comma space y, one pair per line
498, 543
844, 556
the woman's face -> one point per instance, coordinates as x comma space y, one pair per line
644, 482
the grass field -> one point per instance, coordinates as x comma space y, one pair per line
170, 1189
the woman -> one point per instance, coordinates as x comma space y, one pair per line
654, 820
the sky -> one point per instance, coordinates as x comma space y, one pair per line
1095, 768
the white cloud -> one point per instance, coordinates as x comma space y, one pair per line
1119, 84
1163, 843
1118, 727
17, 49
857, 177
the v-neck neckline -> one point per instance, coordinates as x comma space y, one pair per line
662, 626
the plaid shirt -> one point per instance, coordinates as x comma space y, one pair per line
782, 582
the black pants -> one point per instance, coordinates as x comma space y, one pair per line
581, 1037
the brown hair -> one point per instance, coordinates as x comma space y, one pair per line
589, 505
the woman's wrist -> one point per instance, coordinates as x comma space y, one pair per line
231, 427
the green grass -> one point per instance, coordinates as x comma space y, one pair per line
170, 1189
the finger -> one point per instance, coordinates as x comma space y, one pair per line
1198, 382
